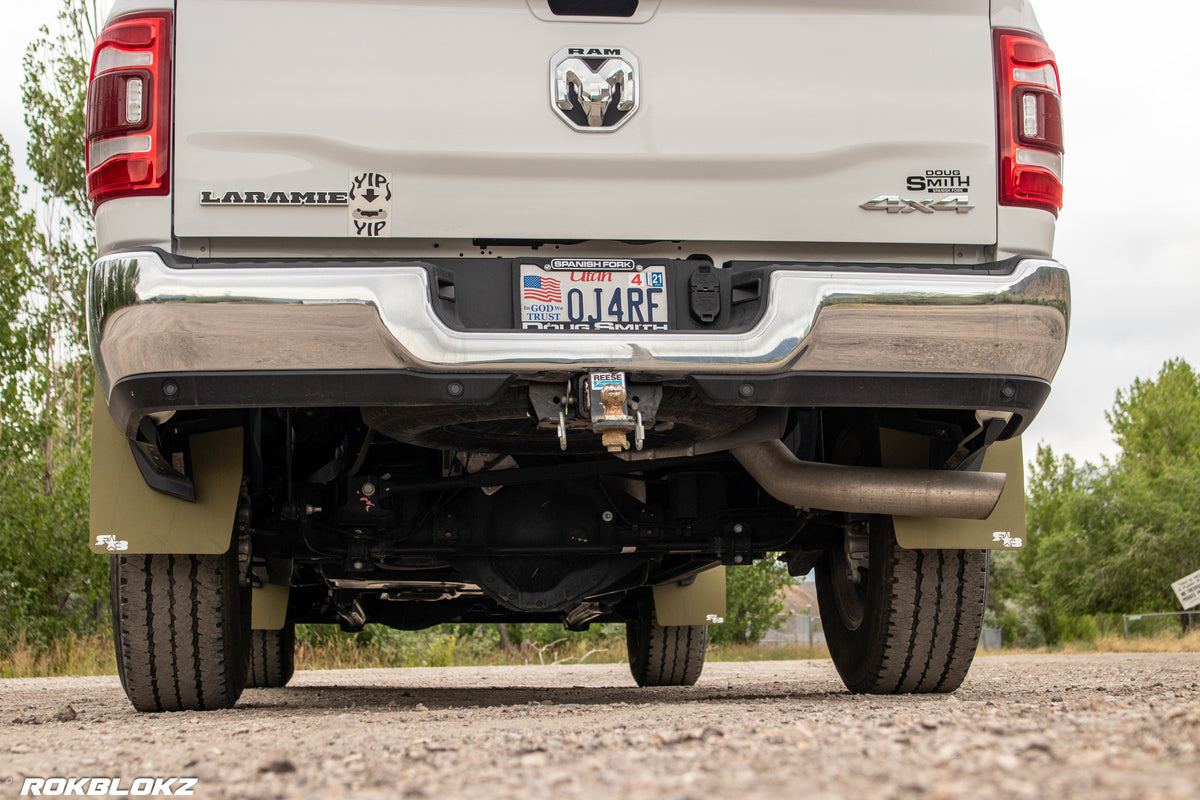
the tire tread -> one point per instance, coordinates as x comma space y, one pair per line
272, 657
922, 635
665, 655
179, 622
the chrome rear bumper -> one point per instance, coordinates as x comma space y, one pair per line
147, 317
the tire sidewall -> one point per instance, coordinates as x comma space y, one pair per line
856, 651
114, 599
237, 616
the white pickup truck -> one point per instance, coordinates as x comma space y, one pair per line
551, 310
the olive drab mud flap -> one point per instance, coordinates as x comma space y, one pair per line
127, 516
700, 602
268, 607
1005, 528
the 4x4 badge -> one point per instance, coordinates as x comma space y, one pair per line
902, 205
594, 89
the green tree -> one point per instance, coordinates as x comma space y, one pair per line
49, 581
16, 283
753, 602
1112, 538
1131, 529
1157, 423
1060, 494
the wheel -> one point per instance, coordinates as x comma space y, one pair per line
181, 626
664, 655
272, 657
910, 622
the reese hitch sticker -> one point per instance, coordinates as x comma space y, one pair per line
602, 379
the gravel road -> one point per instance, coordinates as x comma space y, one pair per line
1095, 726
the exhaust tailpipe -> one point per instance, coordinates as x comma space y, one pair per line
870, 490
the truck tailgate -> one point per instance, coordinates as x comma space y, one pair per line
766, 121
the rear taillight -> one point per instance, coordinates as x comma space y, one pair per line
1030, 120
129, 109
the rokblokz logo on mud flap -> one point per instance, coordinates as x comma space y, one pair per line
111, 542
108, 787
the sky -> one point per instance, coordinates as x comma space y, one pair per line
1127, 231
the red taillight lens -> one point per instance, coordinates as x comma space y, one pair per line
129, 109
1030, 122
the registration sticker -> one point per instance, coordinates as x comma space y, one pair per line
593, 300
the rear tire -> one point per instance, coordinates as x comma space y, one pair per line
664, 655
181, 626
912, 622
272, 657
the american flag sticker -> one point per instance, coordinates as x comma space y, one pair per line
542, 289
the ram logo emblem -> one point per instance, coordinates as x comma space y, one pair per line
594, 88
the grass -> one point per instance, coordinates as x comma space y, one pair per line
758, 652
340, 655
1160, 642
345, 652
93, 655
73, 655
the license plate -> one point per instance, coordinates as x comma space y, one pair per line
601, 300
